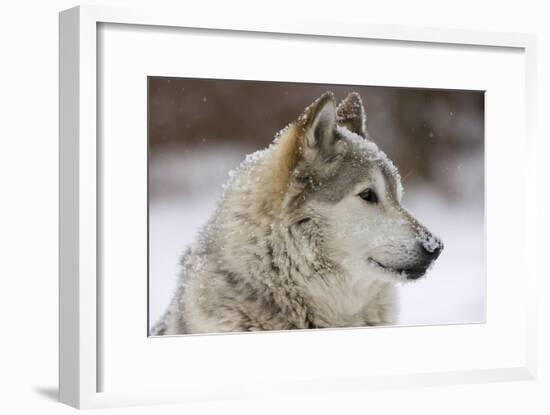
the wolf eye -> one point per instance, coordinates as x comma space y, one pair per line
368, 195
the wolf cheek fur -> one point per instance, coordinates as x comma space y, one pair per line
309, 233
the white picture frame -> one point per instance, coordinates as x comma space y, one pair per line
80, 311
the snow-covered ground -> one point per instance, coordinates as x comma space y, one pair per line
184, 190
454, 290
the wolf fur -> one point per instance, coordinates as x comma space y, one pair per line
309, 233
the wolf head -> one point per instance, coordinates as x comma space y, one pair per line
330, 184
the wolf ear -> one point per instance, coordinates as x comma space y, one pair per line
308, 146
319, 123
351, 114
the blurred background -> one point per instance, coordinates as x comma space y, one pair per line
200, 129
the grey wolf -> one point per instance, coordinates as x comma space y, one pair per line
309, 233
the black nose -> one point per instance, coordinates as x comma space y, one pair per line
433, 249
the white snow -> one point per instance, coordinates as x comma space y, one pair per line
453, 291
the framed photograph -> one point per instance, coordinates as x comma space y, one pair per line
332, 221
279, 194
